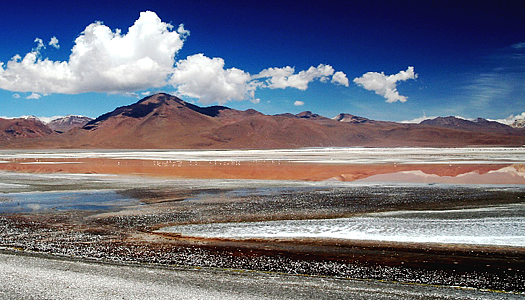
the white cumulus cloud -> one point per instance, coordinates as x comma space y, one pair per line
298, 103
206, 78
102, 60
340, 78
386, 85
110, 60
280, 78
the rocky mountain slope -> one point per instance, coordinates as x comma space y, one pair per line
68, 122
163, 121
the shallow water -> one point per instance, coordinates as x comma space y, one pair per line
62, 201
502, 225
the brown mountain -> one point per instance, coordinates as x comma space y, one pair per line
163, 121
18, 129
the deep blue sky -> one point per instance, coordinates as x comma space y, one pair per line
469, 57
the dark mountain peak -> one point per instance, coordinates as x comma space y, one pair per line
303, 115
139, 109
307, 115
68, 122
348, 118
211, 111
287, 115
164, 105
449, 121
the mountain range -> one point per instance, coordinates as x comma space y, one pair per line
162, 121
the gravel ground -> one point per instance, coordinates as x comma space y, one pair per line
126, 234
35, 277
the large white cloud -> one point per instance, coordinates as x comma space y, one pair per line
106, 60
206, 78
386, 86
102, 60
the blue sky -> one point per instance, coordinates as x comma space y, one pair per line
387, 60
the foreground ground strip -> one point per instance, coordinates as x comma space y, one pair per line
30, 276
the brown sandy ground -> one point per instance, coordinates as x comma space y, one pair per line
127, 235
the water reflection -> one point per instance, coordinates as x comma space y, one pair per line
512, 174
63, 201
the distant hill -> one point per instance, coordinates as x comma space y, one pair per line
163, 121
479, 124
68, 122
348, 118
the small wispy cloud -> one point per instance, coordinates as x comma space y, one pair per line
34, 96
386, 85
519, 45
502, 78
298, 103
54, 42
487, 88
